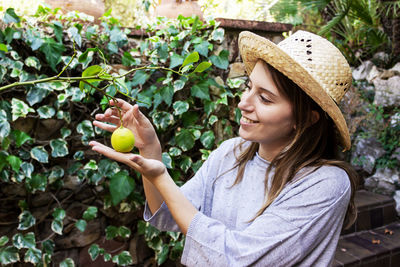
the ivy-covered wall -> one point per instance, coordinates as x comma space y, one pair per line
59, 201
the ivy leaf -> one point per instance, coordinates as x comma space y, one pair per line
180, 107
111, 232
52, 51
33, 255
162, 119
167, 160
201, 90
57, 226
208, 139
191, 58
123, 259
20, 137
19, 109
58, 148
74, 34
221, 61
202, 48
167, 93
218, 35
185, 163
46, 112
56, 173
48, 246
26, 220
58, 214
10, 16
9, 255
40, 154
184, 139
68, 262
179, 84
36, 182
202, 66
139, 78
90, 213
91, 71
108, 168
27, 168
81, 225
33, 62
21, 241
4, 125
124, 232
3, 240
36, 94
86, 129
174, 151
15, 162
175, 60
94, 251
121, 185
162, 254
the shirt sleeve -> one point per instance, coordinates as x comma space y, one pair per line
284, 234
194, 191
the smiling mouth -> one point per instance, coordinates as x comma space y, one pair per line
246, 120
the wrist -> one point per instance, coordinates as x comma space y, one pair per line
152, 151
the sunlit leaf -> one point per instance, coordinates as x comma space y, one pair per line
121, 185
90, 213
40, 154
9, 255
81, 225
58, 148
123, 259
19, 109
33, 255
26, 220
24, 241
68, 262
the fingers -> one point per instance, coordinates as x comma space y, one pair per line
109, 152
121, 103
105, 126
140, 118
111, 119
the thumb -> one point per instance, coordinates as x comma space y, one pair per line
139, 116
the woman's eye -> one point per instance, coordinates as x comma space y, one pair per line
264, 99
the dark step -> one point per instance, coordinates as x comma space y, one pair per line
379, 247
373, 210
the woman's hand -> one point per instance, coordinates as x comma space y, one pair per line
146, 139
150, 168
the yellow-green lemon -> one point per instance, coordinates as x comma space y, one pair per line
122, 139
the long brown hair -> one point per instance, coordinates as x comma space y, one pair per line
313, 145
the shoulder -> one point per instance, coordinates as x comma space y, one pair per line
229, 146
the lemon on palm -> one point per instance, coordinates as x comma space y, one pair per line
122, 139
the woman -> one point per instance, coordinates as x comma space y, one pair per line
275, 196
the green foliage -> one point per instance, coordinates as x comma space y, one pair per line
56, 74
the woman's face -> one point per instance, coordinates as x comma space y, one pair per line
266, 114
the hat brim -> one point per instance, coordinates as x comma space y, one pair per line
253, 47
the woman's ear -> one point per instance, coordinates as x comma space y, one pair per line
314, 116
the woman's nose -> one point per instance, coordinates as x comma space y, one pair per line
245, 103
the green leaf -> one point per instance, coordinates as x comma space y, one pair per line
89, 72
19, 109
202, 48
58, 214
208, 139
52, 51
139, 78
86, 129
179, 84
48, 246
213, 119
174, 151
27, 168
9, 255
162, 119
46, 112
91, 165
107, 257
3, 48
184, 139
201, 90
65, 132
218, 35
20, 137
202, 66
81, 225
4, 125
36, 94
90, 213
111, 232
3, 240
33, 62
75, 93
36, 182
24, 241
122, 259
33, 255
94, 251
68, 262
221, 61
57, 226
74, 34
15, 162
26, 220
175, 60
121, 185
108, 168
10, 16
167, 93
162, 255
185, 163
166, 159
40, 154
58, 148
180, 107
191, 58
124, 232
56, 173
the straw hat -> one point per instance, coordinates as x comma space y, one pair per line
312, 62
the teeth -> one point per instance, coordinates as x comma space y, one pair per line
248, 120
